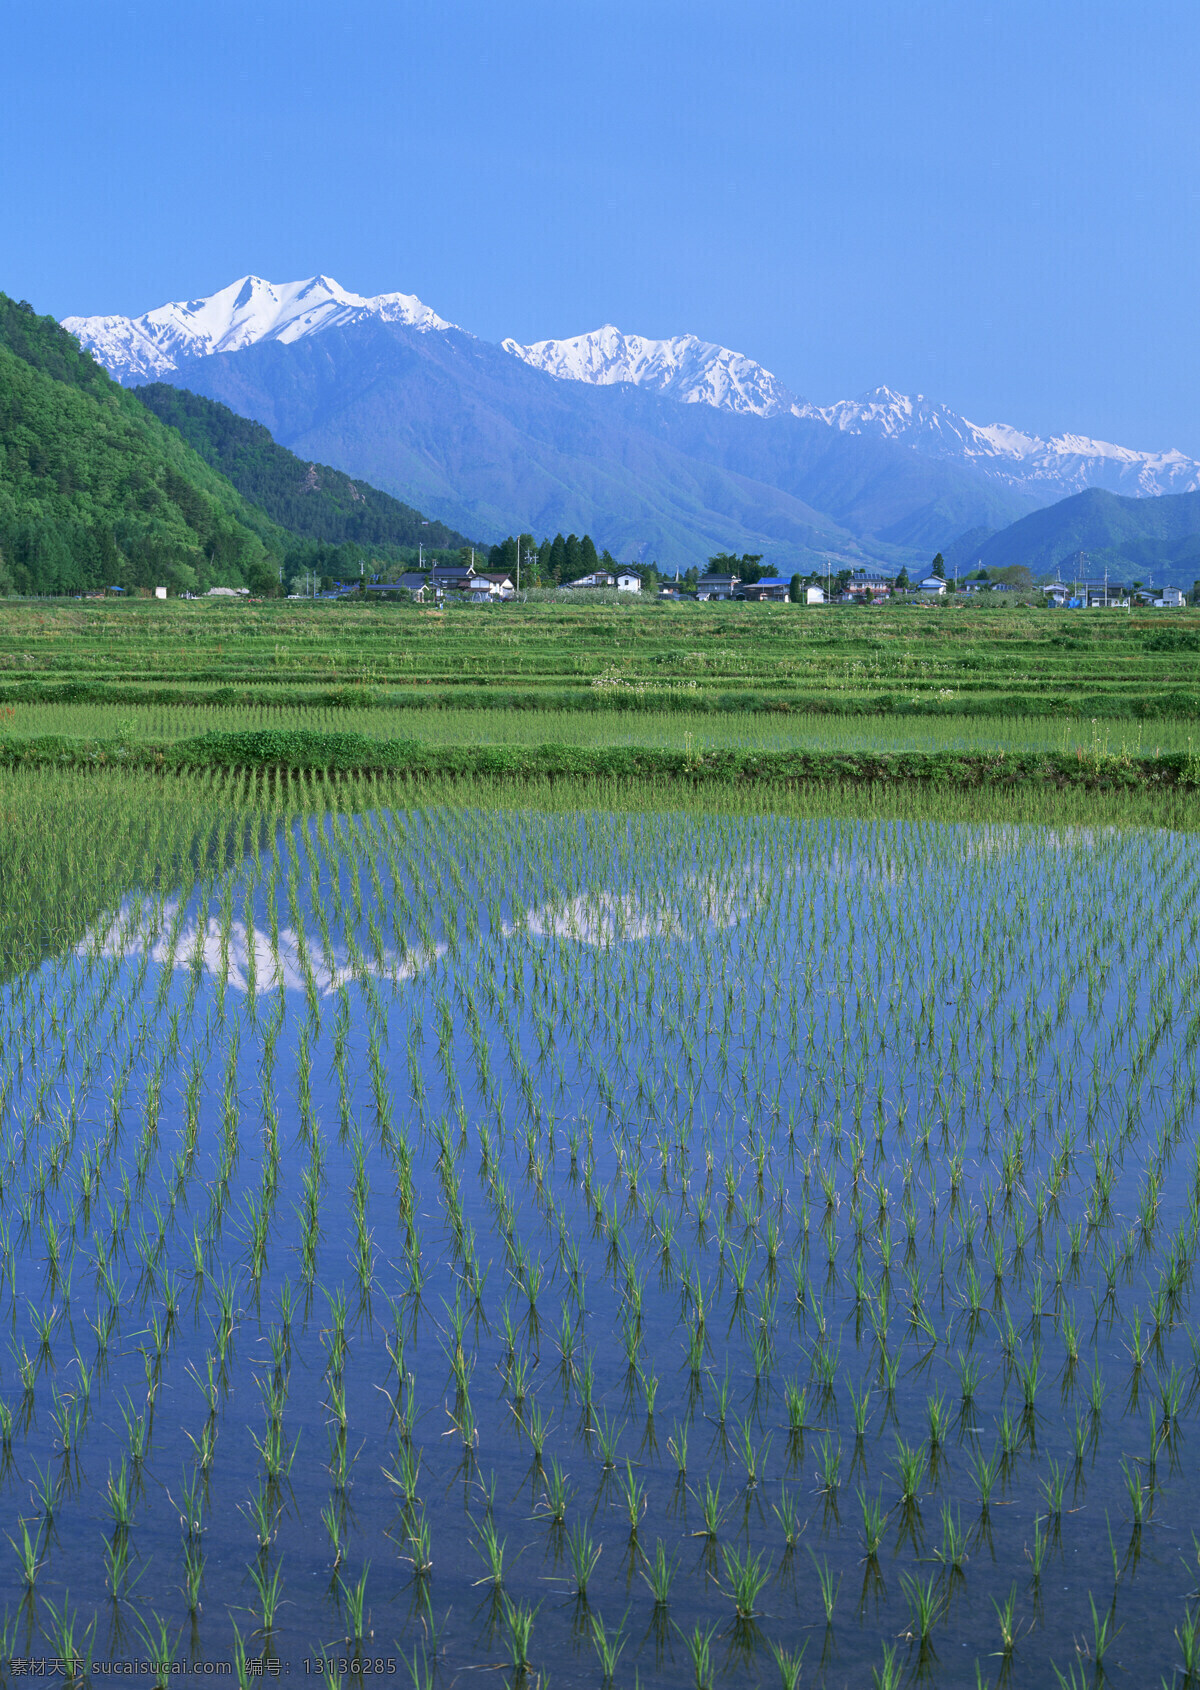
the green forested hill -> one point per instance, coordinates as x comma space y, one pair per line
96, 491
1154, 537
310, 499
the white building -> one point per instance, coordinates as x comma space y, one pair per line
483, 589
624, 580
932, 584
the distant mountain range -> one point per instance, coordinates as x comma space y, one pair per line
664, 449
697, 372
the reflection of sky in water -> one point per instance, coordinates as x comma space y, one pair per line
768, 1023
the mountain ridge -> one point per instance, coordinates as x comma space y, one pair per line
682, 367
1155, 539
491, 447
247, 311
306, 498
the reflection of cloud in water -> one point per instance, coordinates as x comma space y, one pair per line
1001, 839
145, 927
596, 918
600, 917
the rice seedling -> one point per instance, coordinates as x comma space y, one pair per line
584, 1556
1006, 1616
490, 1548
28, 1552
890, 1674
925, 1604
269, 1591
910, 1468
953, 1550
608, 1647
699, 1647
710, 1509
555, 1497
827, 1586
874, 1518
354, 1603
746, 1576
829, 1467
1187, 1635
785, 1512
677, 1443
518, 1626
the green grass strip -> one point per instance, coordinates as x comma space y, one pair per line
345, 753
974, 698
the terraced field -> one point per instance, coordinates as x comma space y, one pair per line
659, 657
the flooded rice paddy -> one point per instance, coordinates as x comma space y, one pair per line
674, 1250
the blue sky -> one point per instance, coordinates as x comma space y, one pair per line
993, 204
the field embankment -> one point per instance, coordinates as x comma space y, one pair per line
336, 753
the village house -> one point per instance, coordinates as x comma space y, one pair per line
717, 586
488, 586
451, 577
624, 580
417, 585
864, 581
771, 589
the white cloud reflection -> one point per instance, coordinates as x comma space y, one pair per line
246, 952
601, 917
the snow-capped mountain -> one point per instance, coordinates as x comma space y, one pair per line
1062, 465
149, 347
659, 448
699, 372
686, 368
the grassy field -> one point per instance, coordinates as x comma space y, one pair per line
670, 730
727, 659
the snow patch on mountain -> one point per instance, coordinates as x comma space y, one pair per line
146, 348
686, 368
697, 372
1062, 465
